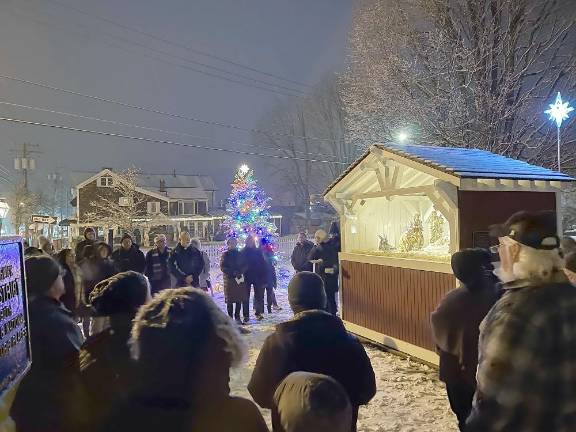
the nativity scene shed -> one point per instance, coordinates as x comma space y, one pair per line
404, 209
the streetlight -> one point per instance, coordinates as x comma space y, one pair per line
402, 137
558, 112
4, 208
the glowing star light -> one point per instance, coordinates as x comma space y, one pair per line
244, 169
559, 110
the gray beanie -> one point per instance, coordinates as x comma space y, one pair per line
41, 273
312, 402
306, 292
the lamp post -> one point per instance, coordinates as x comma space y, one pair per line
558, 112
4, 208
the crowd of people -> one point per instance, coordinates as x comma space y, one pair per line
162, 359
157, 355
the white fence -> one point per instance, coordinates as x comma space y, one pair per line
214, 249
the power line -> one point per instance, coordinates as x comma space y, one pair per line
117, 123
157, 141
173, 43
299, 93
163, 113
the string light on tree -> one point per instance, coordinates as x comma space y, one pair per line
558, 112
247, 211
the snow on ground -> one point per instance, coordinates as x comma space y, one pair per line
409, 398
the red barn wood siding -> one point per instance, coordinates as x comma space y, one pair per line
393, 301
479, 210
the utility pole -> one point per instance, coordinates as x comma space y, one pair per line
56, 199
24, 161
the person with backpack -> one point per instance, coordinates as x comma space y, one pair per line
186, 263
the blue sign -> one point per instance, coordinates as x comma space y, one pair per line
15, 352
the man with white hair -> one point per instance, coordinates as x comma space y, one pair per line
526, 377
157, 265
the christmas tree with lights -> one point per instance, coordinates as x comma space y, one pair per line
247, 211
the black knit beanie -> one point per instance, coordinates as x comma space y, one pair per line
123, 293
41, 272
306, 292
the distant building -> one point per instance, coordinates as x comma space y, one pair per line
186, 202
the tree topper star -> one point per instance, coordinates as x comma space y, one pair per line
559, 110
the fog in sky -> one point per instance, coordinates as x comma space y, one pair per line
54, 42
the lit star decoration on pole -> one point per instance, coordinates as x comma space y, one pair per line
558, 112
247, 211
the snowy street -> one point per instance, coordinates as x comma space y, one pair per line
410, 398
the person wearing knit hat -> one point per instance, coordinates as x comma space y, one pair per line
105, 356
89, 239
312, 402
129, 256
306, 292
312, 341
50, 398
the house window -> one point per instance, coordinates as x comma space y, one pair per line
153, 207
105, 181
124, 201
186, 207
201, 207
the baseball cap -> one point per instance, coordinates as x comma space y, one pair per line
538, 230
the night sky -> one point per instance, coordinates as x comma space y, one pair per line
45, 41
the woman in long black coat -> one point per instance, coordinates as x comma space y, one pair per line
235, 294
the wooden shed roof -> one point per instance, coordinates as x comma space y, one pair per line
464, 163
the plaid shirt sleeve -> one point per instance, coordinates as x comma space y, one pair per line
510, 376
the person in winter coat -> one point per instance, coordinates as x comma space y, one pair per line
157, 269
325, 257
299, 258
186, 263
49, 397
106, 366
129, 256
312, 402
204, 281
313, 341
255, 273
526, 355
236, 295
186, 388
455, 328
67, 261
271, 279
89, 239
95, 267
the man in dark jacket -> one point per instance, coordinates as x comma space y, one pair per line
128, 256
255, 271
455, 327
299, 258
157, 265
50, 397
325, 257
89, 239
313, 341
186, 263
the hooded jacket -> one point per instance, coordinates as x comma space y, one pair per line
313, 341
456, 320
312, 402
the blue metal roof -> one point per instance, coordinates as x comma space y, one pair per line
474, 163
